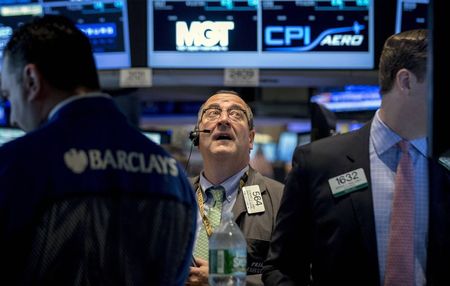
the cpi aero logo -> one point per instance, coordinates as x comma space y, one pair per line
279, 38
203, 36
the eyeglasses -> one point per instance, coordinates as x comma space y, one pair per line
235, 114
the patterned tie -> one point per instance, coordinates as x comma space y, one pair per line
214, 215
400, 255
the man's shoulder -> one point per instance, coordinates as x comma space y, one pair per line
273, 184
337, 144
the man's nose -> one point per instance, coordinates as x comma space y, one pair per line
224, 116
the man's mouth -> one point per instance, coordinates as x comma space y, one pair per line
223, 137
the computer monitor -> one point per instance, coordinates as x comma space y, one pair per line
105, 22
158, 136
411, 14
288, 34
349, 98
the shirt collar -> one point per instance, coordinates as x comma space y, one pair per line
384, 137
231, 185
70, 99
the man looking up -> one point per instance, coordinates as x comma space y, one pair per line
224, 135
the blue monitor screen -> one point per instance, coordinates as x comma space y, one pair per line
155, 137
105, 22
311, 34
411, 14
158, 136
350, 98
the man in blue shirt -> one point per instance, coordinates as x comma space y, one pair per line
336, 218
85, 198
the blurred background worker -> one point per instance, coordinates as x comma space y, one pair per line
260, 163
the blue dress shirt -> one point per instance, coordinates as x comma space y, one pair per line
384, 157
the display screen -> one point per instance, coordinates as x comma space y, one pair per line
411, 14
349, 98
158, 136
307, 34
105, 22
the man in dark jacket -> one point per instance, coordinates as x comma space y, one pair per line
85, 198
336, 222
224, 135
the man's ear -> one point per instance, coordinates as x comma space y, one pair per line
32, 81
252, 138
404, 80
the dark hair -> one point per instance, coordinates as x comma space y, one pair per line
406, 50
61, 52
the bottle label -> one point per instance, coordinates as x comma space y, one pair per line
227, 261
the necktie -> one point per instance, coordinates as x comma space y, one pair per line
214, 215
400, 255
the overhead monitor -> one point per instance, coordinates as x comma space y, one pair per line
411, 14
105, 22
158, 136
349, 98
306, 34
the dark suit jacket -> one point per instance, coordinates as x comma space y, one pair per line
323, 240
258, 227
105, 175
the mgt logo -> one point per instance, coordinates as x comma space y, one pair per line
203, 36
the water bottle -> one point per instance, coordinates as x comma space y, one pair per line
227, 254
